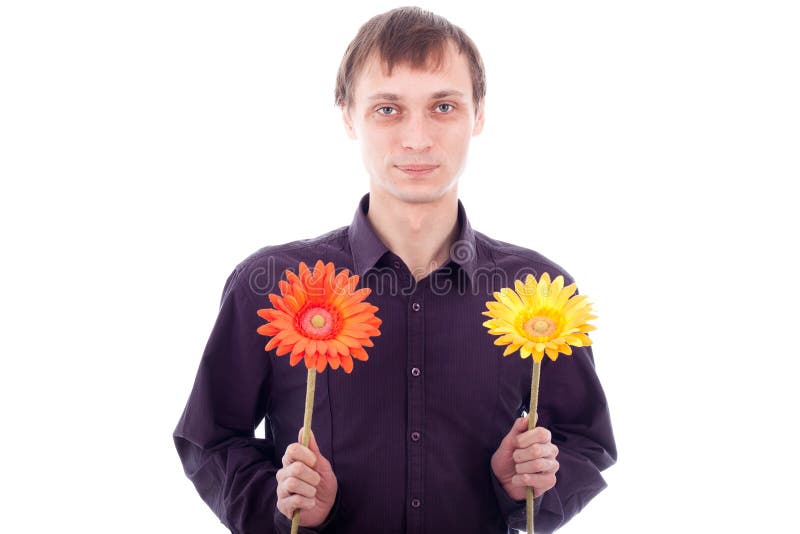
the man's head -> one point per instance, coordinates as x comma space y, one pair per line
406, 35
411, 88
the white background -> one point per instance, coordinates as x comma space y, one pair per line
650, 148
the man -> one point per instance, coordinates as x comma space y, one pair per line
426, 436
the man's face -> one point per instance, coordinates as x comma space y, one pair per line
415, 126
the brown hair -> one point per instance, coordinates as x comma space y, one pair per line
406, 35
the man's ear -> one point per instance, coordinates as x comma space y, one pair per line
479, 117
348, 123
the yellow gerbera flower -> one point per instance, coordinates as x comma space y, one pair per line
539, 318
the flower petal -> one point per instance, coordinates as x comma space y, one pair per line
272, 343
347, 363
294, 359
359, 354
267, 330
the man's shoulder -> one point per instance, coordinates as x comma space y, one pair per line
262, 269
297, 250
522, 260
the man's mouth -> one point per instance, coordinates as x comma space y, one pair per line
417, 170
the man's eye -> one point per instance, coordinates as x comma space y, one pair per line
440, 105
381, 109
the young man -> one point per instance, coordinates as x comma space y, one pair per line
426, 436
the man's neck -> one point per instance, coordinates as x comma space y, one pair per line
420, 233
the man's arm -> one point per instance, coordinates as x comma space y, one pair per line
232, 470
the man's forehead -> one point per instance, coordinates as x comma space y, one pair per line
376, 70
435, 61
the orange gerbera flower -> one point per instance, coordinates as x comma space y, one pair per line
320, 318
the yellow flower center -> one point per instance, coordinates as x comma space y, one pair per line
539, 327
318, 322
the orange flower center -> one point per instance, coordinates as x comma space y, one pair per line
538, 326
317, 322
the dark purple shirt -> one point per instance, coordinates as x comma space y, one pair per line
410, 432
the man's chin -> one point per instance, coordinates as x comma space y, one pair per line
417, 193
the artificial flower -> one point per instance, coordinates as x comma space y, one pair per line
539, 318
321, 318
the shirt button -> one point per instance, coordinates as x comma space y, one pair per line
415, 436
415, 503
416, 306
415, 371
396, 264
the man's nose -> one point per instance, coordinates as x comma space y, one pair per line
416, 133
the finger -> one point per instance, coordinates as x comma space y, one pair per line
323, 463
295, 486
519, 426
313, 445
296, 502
311, 440
540, 465
281, 492
301, 471
535, 480
534, 451
295, 452
281, 506
283, 489
538, 435
302, 503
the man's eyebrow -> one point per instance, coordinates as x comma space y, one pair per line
439, 94
384, 96
446, 93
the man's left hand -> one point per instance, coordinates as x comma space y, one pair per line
525, 458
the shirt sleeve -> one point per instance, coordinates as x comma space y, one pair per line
572, 405
233, 471
283, 525
514, 511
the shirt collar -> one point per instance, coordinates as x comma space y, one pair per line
367, 248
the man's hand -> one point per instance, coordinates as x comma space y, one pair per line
525, 458
306, 481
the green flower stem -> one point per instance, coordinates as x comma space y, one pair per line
310, 385
532, 417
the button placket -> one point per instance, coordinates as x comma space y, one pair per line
416, 403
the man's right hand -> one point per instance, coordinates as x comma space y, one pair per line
306, 481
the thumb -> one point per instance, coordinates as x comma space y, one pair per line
310, 437
520, 425
312, 442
